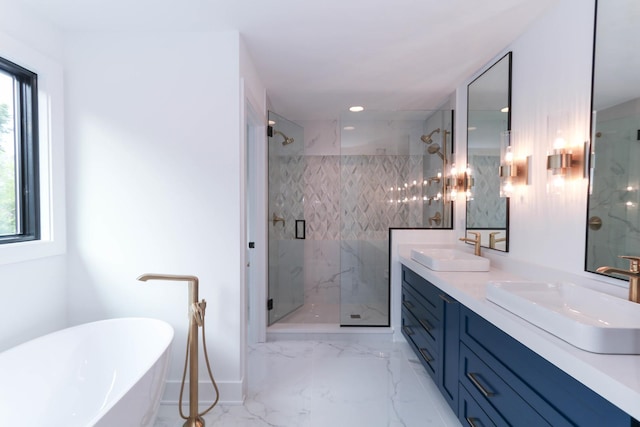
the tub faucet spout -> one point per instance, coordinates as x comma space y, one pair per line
168, 277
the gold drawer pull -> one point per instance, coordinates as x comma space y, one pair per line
472, 422
474, 380
407, 330
444, 298
426, 355
426, 325
407, 304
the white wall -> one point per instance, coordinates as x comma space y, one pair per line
33, 275
154, 169
551, 81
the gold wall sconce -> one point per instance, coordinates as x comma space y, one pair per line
460, 182
566, 160
468, 183
565, 163
512, 172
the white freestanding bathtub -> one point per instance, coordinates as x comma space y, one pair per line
109, 373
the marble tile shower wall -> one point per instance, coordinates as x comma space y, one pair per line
484, 209
322, 193
364, 282
374, 196
286, 193
615, 196
348, 202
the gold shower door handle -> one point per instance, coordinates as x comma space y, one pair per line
276, 219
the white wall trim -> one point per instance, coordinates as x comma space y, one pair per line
51, 154
231, 393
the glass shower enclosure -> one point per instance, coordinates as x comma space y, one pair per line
333, 200
286, 220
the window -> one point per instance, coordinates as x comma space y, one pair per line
19, 189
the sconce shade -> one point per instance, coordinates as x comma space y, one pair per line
459, 182
508, 171
558, 163
512, 171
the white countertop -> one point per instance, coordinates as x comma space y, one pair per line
615, 377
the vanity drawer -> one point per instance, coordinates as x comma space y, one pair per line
493, 393
412, 302
425, 289
558, 397
472, 415
417, 338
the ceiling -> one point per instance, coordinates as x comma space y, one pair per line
318, 58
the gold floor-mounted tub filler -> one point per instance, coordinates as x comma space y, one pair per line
196, 319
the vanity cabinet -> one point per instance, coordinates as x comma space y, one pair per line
430, 322
488, 377
515, 386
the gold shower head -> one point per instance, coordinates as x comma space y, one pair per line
427, 138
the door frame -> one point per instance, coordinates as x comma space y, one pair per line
256, 225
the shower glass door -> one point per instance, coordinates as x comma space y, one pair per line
286, 217
389, 166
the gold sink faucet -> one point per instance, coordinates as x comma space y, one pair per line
633, 273
493, 239
475, 241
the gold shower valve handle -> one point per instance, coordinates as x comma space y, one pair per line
437, 218
634, 263
276, 219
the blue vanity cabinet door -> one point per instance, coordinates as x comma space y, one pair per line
415, 303
449, 350
428, 292
494, 394
556, 396
412, 331
435, 331
419, 328
472, 414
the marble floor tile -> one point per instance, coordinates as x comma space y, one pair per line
323, 313
314, 313
331, 383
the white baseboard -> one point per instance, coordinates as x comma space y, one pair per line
231, 393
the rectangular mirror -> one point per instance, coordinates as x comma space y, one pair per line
613, 212
488, 118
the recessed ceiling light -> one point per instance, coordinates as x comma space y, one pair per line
349, 128
505, 110
356, 108
272, 122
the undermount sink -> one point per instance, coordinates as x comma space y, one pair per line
440, 259
585, 318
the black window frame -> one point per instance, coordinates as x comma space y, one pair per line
27, 153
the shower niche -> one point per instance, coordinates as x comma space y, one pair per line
350, 180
